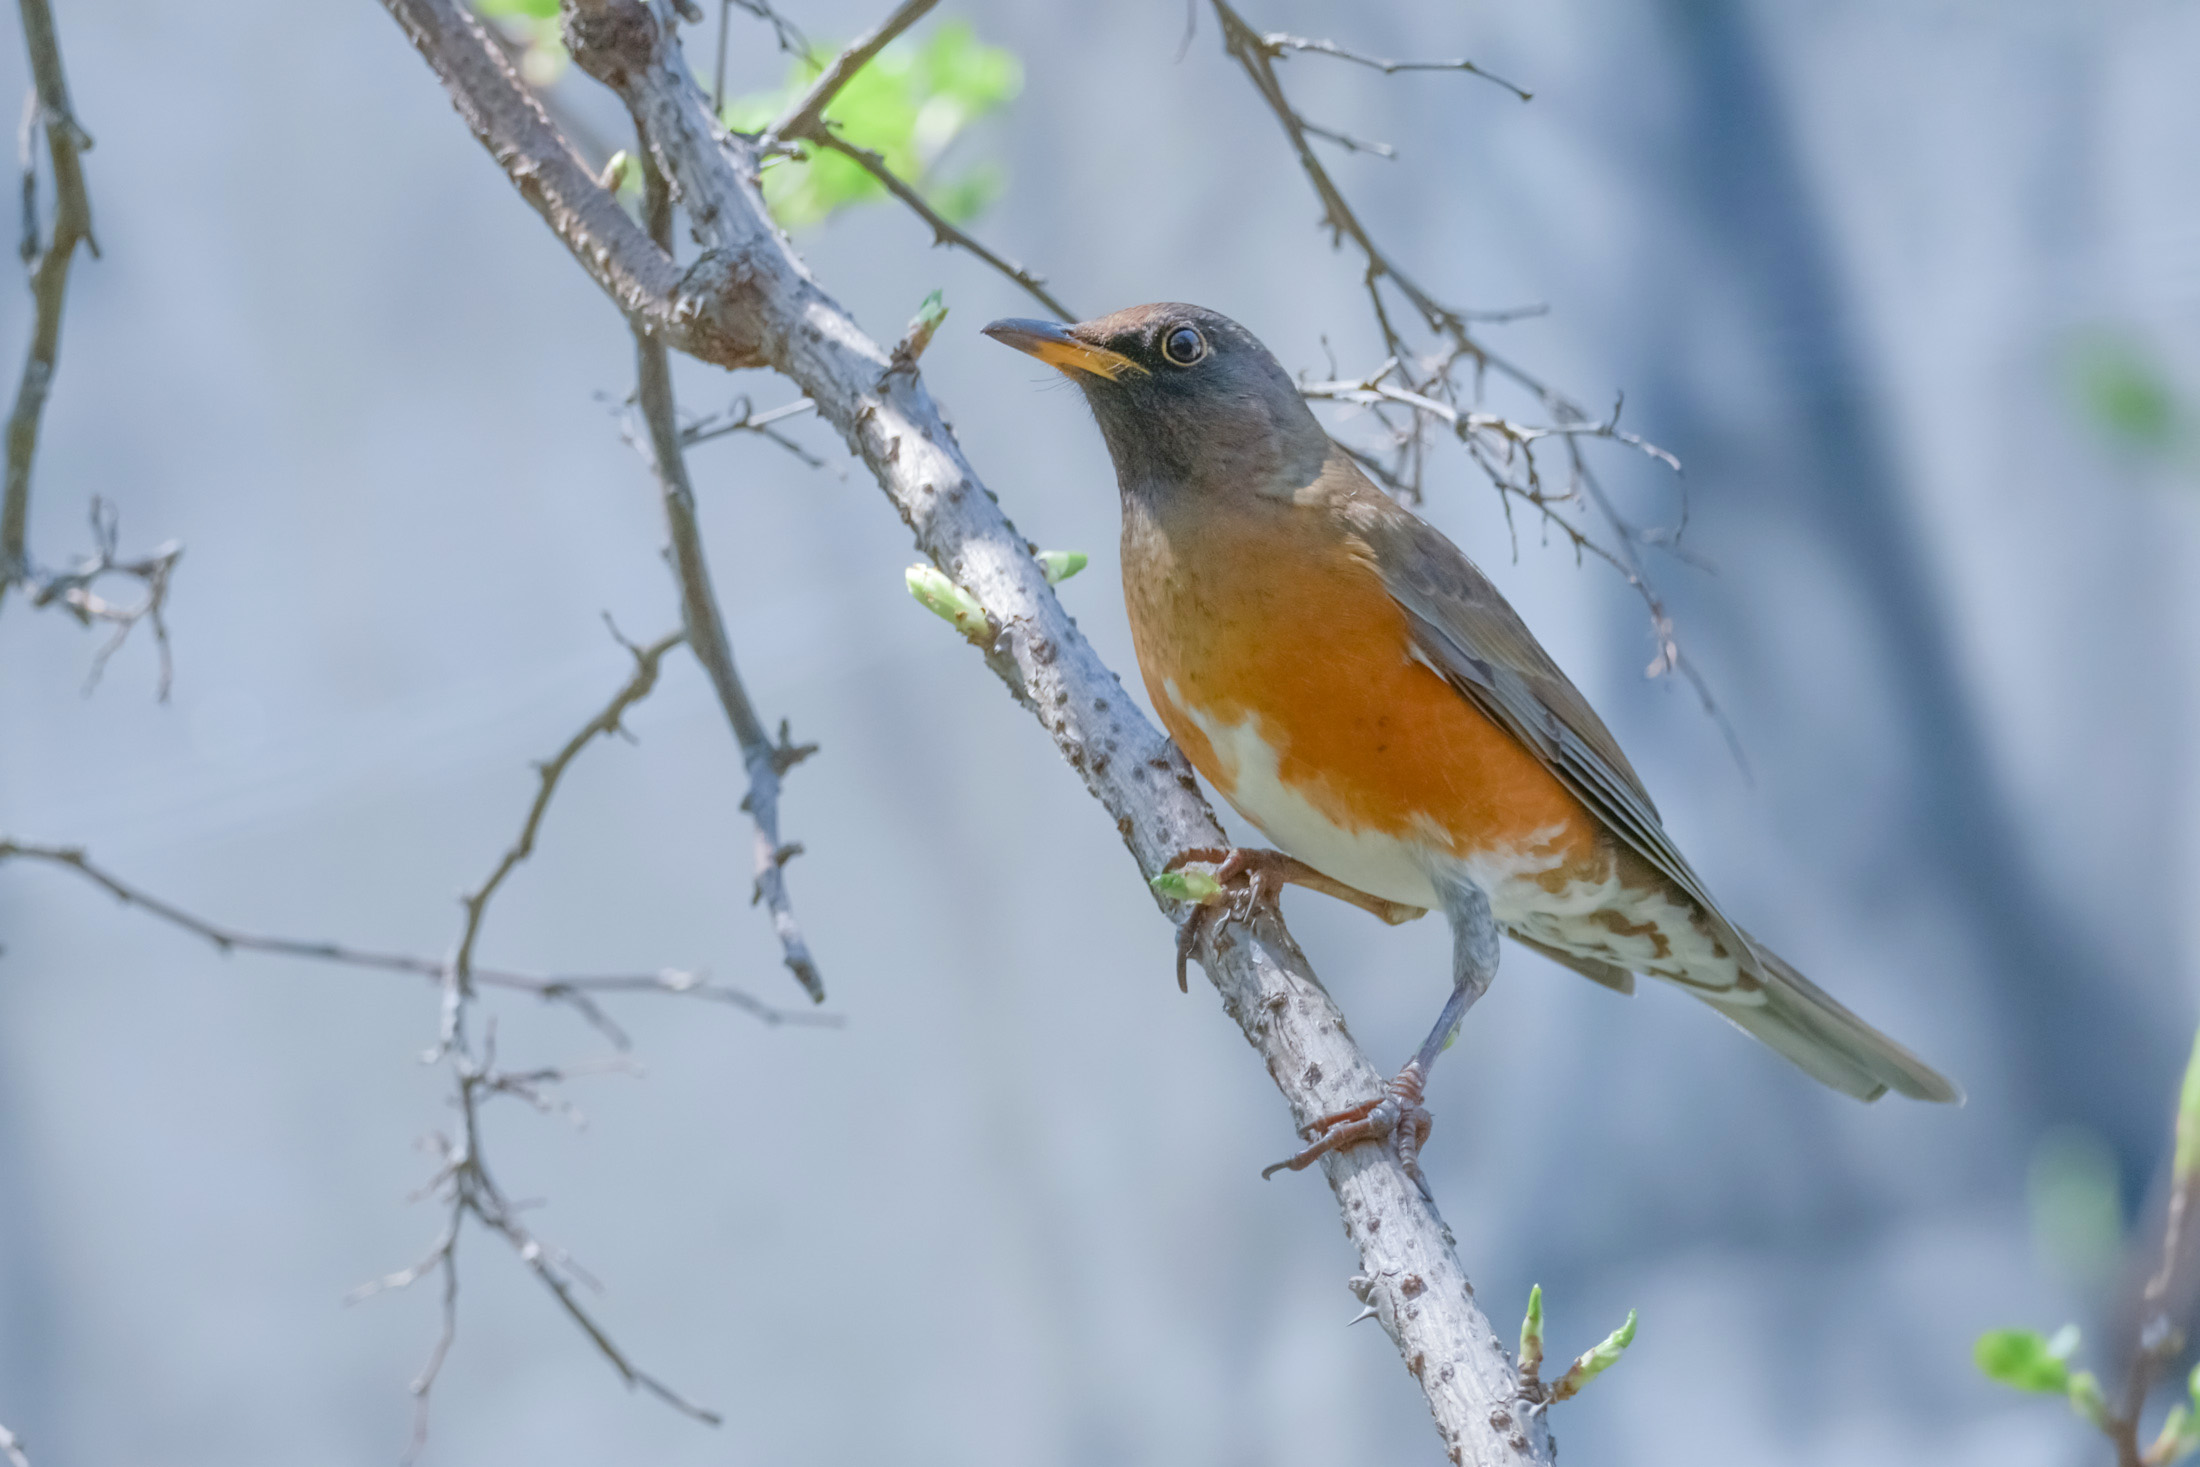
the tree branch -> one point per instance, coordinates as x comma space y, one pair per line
943, 232
806, 117
606, 723
1408, 1271
48, 110
643, 281
764, 759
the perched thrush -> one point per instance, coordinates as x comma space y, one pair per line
1358, 690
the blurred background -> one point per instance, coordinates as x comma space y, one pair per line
1911, 289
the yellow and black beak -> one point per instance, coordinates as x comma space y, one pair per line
1052, 343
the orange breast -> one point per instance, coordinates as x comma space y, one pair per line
1272, 612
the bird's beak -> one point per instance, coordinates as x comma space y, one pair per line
1051, 343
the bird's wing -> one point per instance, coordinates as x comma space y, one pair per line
1465, 631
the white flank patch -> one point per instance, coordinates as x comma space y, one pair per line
1400, 869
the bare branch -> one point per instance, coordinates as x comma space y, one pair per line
1430, 391
643, 280
48, 111
943, 232
764, 759
806, 118
741, 417
573, 990
1276, 43
605, 724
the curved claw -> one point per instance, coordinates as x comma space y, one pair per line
1396, 1116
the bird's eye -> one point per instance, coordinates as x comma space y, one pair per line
1184, 346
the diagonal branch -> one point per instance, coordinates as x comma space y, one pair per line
806, 117
604, 724
943, 232
643, 280
804, 122
764, 759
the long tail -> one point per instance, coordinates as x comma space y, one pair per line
1803, 1022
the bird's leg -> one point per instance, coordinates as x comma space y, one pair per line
1397, 1115
1255, 880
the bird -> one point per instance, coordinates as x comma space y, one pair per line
1362, 694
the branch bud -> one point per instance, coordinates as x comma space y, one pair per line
1196, 887
1531, 1334
1060, 565
1593, 1364
950, 603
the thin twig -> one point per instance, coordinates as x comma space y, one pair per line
943, 232
1430, 391
764, 758
1278, 42
742, 417
572, 990
805, 117
804, 122
604, 724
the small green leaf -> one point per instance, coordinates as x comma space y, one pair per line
1589, 1366
1531, 1332
949, 602
615, 169
917, 335
1196, 887
910, 106
1060, 565
2024, 1360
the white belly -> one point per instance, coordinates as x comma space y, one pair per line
1642, 931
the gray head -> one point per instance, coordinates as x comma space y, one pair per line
1188, 400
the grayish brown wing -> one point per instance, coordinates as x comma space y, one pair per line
1465, 630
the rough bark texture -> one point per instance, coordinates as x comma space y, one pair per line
749, 286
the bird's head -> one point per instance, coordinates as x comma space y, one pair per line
1188, 400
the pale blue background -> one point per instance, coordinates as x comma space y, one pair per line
1834, 254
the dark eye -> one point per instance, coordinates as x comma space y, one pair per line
1184, 345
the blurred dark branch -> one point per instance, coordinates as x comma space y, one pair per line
766, 760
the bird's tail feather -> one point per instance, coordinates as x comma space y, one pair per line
1805, 1023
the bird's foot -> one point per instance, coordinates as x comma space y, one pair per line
1396, 1117
1252, 882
